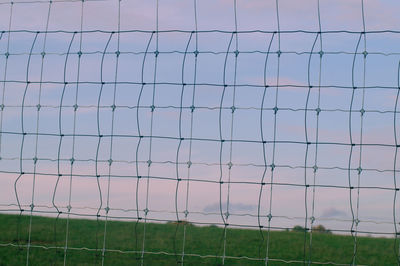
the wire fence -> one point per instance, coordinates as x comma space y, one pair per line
112, 116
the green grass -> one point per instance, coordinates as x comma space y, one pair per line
128, 236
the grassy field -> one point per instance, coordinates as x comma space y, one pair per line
168, 238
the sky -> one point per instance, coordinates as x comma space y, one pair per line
331, 76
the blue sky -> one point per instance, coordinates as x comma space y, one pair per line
331, 204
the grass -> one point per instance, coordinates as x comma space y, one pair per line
128, 236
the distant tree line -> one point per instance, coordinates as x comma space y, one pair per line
317, 229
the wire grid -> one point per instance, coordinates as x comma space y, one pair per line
108, 163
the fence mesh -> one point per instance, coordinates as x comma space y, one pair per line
256, 115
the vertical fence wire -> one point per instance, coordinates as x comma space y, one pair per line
317, 112
59, 175
113, 108
43, 54
352, 145
264, 147
233, 108
396, 189
7, 54
149, 162
274, 130
75, 109
308, 143
359, 169
139, 218
192, 108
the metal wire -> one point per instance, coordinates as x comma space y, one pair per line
207, 131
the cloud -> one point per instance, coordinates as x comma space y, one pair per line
333, 212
